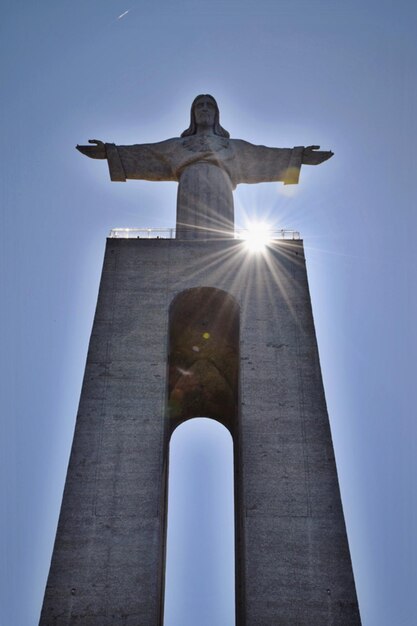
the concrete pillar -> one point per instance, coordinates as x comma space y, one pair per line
292, 553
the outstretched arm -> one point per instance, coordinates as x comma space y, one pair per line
260, 164
140, 161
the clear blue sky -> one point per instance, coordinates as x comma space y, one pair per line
285, 73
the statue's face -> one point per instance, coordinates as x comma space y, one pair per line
205, 112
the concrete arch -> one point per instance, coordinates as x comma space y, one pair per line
203, 357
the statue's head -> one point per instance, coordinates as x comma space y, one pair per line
204, 108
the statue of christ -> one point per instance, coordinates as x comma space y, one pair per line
207, 165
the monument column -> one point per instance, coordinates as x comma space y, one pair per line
260, 377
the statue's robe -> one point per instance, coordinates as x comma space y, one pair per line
207, 168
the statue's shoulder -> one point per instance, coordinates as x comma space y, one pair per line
166, 145
256, 150
241, 144
244, 148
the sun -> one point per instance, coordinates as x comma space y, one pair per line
257, 236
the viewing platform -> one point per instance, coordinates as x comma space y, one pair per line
170, 233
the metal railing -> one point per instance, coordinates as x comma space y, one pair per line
169, 233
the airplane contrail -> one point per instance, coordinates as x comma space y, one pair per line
123, 14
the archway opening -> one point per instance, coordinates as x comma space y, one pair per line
200, 558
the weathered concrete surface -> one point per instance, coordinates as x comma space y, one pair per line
292, 553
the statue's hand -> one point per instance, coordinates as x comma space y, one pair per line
96, 151
310, 149
311, 156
